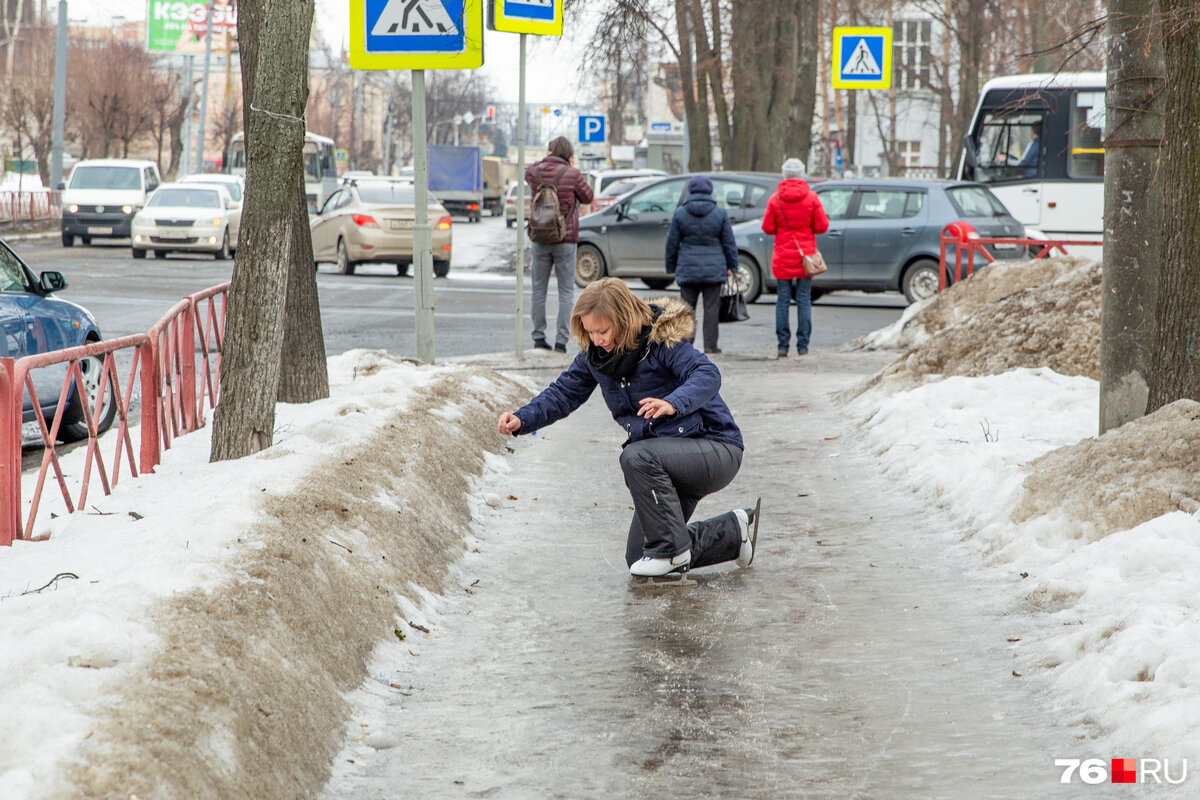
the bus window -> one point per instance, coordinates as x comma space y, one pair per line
1009, 146
1084, 137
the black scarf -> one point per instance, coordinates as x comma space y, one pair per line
618, 364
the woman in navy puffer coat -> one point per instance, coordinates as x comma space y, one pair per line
682, 442
702, 253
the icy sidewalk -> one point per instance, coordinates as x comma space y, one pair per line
860, 657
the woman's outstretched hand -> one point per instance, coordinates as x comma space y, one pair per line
509, 423
653, 408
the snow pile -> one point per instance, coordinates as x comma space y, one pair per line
221, 610
1098, 537
1132, 474
922, 320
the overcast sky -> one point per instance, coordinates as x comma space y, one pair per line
550, 76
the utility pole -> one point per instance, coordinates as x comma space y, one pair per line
204, 91
60, 98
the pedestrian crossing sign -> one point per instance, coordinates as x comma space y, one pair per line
541, 17
416, 34
862, 58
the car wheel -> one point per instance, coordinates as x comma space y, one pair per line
159, 253
344, 264
87, 240
441, 269
508, 223
658, 283
817, 294
223, 253
73, 427
920, 280
401, 270
139, 252
68, 240
589, 265
749, 277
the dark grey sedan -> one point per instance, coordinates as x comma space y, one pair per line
884, 235
629, 238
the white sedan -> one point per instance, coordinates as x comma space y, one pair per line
187, 217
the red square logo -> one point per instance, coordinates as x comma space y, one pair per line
1124, 770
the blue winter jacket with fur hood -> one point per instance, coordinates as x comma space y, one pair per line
672, 370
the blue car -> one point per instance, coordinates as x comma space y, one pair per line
884, 235
33, 321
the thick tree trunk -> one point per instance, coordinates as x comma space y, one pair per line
808, 54
716, 81
695, 118
1133, 210
1175, 373
274, 44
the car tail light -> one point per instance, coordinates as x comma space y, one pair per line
445, 248
363, 221
474, 206
443, 224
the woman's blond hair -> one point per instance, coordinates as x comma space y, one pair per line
611, 299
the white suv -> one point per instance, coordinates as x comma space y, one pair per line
102, 195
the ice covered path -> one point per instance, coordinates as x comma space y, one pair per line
860, 657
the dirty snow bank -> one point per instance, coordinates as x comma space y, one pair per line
993, 420
953, 306
204, 647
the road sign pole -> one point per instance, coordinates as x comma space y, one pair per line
521, 189
422, 232
60, 98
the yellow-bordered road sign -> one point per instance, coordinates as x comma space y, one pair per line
416, 34
862, 58
541, 17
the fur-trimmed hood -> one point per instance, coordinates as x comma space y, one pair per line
674, 321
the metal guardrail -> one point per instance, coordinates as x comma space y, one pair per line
30, 206
164, 363
967, 241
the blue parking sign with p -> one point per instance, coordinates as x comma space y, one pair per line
591, 130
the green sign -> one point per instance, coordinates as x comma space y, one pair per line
178, 26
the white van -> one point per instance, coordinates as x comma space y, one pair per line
102, 195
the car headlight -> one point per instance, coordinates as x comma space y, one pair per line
73, 208
127, 209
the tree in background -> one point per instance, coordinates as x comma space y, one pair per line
110, 96
274, 348
29, 105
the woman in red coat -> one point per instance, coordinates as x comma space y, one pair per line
794, 217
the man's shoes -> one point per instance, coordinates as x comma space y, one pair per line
748, 521
782, 354
649, 567
540, 344
560, 348
716, 351
801, 352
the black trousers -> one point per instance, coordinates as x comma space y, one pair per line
667, 478
712, 297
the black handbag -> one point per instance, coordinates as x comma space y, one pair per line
732, 307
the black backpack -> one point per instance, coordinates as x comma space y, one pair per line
547, 225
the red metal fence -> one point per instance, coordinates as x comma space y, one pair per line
966, 242
172, 395
34, 206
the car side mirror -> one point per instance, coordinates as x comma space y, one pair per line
52, 281
62, 185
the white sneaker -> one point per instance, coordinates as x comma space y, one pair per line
649, 567
748, 521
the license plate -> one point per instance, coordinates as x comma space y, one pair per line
172, 234
400, 224
1005, 246
98, 230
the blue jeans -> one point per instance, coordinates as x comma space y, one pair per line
800, 290
560, 260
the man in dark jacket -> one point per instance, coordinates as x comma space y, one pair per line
702, 253
572, 190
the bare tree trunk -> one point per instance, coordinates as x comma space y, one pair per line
716, 81
1175, 373
274, 48
1133, 210
697, 128
808, 52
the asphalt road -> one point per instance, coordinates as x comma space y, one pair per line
474, 306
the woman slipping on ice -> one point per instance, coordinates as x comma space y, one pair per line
682, 441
